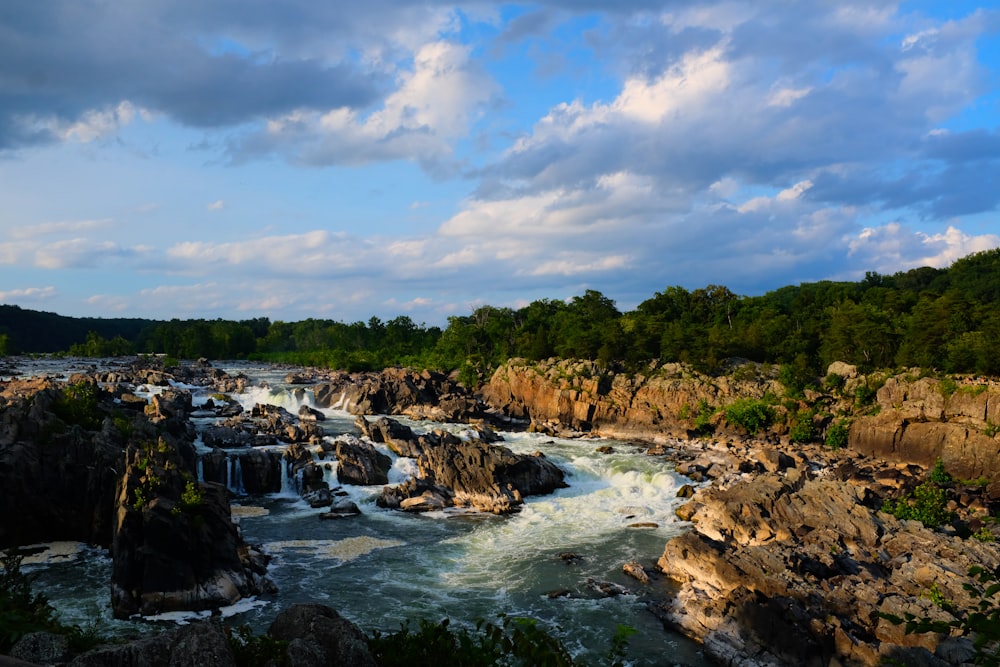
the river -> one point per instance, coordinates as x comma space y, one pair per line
384, 567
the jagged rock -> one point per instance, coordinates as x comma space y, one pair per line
172, 403
175, 546
636, 571
397, 391
783, 570
331, 638
360, 463
399, 437
42, 648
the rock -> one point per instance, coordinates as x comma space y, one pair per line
428, 501
202, 643
43, 648
636, 571
311, 414
340, 509
398, 437
606, 588
685, 491
331, 638
175, 546
360, 463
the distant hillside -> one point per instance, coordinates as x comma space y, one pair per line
30, 331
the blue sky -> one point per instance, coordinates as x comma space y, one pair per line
295, 159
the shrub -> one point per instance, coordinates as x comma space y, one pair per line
981, 621
752, 414
250, 650
834, 383
803, 430
927, 504
78, 405
837, 434
939, 475
21, 611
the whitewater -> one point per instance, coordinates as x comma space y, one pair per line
385, 567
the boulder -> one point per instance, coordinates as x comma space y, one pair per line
175, 546
360, 463
326, 635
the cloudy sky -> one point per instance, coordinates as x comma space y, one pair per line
296, 158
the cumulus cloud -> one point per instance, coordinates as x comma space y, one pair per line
433, 104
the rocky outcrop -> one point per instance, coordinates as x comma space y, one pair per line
315, 635
922, 420
175, 546
425, 395
912, 419
470, 473
60, 458
360, 463
655, 405
787, 567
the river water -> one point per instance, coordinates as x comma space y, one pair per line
384, 567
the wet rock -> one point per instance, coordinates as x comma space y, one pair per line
636, 571
360, 463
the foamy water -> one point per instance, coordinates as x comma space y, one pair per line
384, 567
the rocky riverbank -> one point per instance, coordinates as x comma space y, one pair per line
790, 559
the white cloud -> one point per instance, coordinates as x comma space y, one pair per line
63, 227
78, 253
28, 294
217, 205
894, 247
434, 103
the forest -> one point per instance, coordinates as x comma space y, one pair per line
943, 319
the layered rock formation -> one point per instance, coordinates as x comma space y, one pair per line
462, 473
912, 419
793, 567
396, 391
580, 395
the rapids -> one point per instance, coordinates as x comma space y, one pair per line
384, 567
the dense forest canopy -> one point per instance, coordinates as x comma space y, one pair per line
946, 319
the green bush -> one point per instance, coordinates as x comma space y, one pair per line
78, 405
981, 621
514, 641
250, 650
927, 504
837, 434
803, 430
21, 611
754, 415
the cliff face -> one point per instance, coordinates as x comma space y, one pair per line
912, 419
922, 420
579, 395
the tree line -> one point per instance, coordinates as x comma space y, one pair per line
945, 319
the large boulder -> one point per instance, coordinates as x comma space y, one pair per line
782, 570
319, 636
358, 462
175, 546
475, 474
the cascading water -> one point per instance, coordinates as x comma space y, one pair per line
384, 567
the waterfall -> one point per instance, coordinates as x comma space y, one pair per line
201, 470
235, 484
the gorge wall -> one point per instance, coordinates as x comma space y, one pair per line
904, 417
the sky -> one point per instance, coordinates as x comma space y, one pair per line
298, 159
